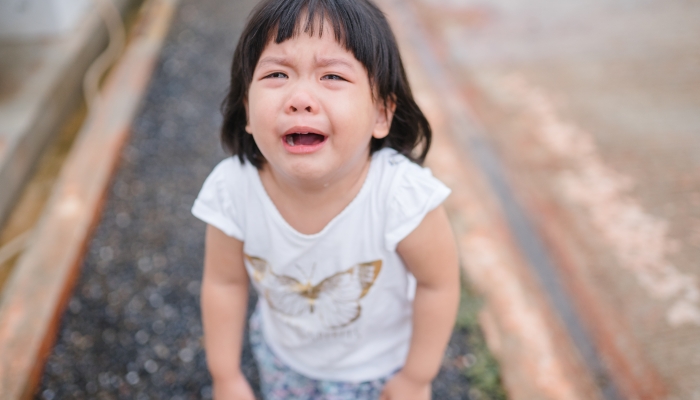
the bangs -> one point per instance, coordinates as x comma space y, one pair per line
288, 19
308, 17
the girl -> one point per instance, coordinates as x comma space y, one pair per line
327, 211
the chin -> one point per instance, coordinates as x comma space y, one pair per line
312, 176
307, 171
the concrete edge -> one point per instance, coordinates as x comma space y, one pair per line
54, 103
628, 365
36, 293
47, 101
538, 358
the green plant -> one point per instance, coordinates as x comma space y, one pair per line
482, 369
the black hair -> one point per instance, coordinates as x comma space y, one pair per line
362, 29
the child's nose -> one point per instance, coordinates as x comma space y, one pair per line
302, 101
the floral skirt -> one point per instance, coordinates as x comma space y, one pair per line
279, 382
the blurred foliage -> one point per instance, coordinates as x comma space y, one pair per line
482, 370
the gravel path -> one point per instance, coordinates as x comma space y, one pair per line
132, 329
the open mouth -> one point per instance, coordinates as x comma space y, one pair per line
303, 139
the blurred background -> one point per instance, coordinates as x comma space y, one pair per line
568, 131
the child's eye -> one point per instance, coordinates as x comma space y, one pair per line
277, 75
332, 77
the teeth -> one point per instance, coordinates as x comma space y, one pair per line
290, 140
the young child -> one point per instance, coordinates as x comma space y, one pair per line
328, 212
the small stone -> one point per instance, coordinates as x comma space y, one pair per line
144, 264
113, 298
75, 305
160, 261
160, 278
142, 337
194, 287
76, 338
125, 339
106, 253
132, 377
123, 220
93, 291
121, 189
56, 368
161, 350
156, 300
150, 366
48, 394
206, 392
91, 387
104, 379
115, 381
158, 327
138, 188
136, 304
186, 354
169, 312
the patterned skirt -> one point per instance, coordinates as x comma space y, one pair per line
279, 382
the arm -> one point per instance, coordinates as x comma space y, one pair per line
224, 302
430, 253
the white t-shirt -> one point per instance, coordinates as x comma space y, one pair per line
335, 305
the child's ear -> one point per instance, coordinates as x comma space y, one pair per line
247, 117
384, 117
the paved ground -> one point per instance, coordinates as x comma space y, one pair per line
593, 106
132, 329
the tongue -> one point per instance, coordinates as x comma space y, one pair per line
307, 139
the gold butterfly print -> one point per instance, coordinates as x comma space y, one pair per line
335, 300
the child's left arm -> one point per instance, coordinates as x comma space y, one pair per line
430, 253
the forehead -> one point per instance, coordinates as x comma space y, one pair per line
317, 43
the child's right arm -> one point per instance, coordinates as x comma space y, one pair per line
224, 303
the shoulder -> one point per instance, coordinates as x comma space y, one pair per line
401, 176
229, 175
221, 201
231, 168
408, 192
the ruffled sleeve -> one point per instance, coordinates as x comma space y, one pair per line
214, 204
414, 194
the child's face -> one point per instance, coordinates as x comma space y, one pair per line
311, 110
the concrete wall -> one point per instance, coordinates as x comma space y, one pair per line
40, 86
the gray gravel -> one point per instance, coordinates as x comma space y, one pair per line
132, 329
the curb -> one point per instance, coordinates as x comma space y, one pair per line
36, 293
53, 92
538, 358
50, 71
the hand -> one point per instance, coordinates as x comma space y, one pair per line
403, 387
236, 388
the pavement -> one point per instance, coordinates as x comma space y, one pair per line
132, 326
569, 135
592, 107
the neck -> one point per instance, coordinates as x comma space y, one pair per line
309, 206
340, 184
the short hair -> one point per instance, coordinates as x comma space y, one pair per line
362, 29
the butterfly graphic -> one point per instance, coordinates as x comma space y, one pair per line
334, 300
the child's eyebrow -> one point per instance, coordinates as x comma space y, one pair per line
330, 62
275, 61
